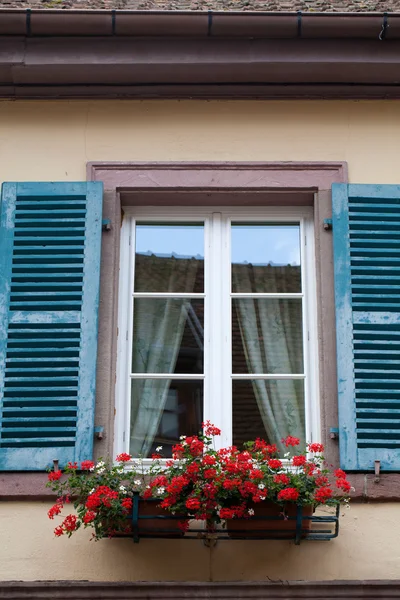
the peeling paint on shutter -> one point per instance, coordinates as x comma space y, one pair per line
366, 232
49, 285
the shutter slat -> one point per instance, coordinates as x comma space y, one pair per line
366, 226
49, 267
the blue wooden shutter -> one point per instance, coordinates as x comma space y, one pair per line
50, 236
366, 236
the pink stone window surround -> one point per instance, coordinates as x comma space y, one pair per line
212, 183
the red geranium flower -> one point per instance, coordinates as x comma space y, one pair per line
193, 503
89, 516
323, 494
275, 463
54, 475
210, 473
343, 484
340, 473
54, 510
58, 531
127, 503
299, 461
73, 466
210, 429
69, 523
315, 447
290, 441
289, 493
86, 465
321, 481
282, 479
209, 461
123, 457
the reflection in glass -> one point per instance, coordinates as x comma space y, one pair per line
267, 335
161, 411
169, 258
266, 258
168, 335
269, 409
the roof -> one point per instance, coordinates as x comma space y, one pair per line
345, 6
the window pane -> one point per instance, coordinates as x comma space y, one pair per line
267, 336
161, 411
169, 258
168, 335
266, 258
269, 409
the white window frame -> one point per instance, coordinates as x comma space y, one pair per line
217, 372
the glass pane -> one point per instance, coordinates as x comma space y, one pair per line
169, 258
168, 335
266, 258
267, 336
269, 409
161, 411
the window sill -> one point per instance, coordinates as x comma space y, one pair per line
387, 489
31, 486
24, 486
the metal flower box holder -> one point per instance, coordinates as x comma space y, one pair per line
318, 531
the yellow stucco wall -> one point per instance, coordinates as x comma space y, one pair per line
367, 548
53, 141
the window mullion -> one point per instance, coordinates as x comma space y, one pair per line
215, 387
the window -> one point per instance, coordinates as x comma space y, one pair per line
216, 321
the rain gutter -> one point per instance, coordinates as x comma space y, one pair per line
48, 53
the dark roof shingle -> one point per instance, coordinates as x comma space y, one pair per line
347, 6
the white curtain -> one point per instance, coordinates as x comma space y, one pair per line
271, 334
157, 334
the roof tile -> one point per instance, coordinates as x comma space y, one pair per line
216, 5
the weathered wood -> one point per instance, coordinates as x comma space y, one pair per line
49, 297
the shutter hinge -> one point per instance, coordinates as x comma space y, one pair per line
98, 432
334, 433
328, 224
106, 224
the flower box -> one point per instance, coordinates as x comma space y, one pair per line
235, 493
272, 520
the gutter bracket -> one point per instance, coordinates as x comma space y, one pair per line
299, 23
385, 26
327, 224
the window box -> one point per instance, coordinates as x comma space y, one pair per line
300, 524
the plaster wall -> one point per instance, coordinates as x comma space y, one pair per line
54, 141
367, 548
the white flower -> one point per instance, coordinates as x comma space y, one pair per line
261, 486
159, 448
251, 512
147, 487
160, 491
92, 491
286, 455
137, 482
122, 489
100, 464
91, 469
101, 470
262, 497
